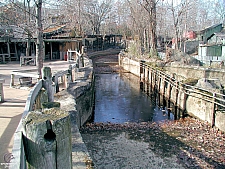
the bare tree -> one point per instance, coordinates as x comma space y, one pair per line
220, 10
150, 7
96, 12
23, 21
39, 43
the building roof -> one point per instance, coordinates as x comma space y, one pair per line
54, 29
220, 35
209, 28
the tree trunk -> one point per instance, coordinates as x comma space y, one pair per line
28, 45
39, 44
153, 38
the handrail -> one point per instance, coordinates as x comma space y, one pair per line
19, 160
213, 97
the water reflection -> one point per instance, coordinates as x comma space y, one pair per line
119, 99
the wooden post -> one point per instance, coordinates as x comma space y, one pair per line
47, 139
151, 80
67, 80
148, 75
16, 53
159, 82
164, 85
144, 77
47, 82
169, 92
70, 74
82, 60
8, 48
1, 90
51, 50
147, 81
56, 81
183, 107
213, 109
12, 80
176, 100
144, 72
177, 91
41, 98
184, 103
155, 83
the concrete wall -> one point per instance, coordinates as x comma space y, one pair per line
78, 100
194, 72
129, 65
195, 104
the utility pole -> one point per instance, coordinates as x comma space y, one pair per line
39, 43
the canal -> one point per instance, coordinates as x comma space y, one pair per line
119, 99
119, 102
129, 130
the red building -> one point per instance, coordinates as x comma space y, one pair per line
189, 35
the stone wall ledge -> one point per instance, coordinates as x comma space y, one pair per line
67, 98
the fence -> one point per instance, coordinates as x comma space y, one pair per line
43, 91
209, 59
207, 104
162, 82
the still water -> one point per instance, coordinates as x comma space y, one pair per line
119, 99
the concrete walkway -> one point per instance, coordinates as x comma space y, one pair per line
13, 106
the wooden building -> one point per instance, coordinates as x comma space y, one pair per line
57, 41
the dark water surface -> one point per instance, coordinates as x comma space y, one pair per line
118, 99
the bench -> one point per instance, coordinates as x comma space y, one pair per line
1, 90
25, 60
4, 57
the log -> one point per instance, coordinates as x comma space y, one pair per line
47, 139
47, 82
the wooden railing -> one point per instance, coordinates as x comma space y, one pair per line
156, 77
33, 102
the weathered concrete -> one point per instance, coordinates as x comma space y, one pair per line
194, 103
47, 140
130, 65
195, 72
78, 101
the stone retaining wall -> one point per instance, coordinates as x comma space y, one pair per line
194, 103
78, 101
196, 72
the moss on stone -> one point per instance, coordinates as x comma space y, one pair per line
190, 81
48, 114
48, 105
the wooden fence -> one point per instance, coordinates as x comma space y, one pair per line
48, 84
163, 83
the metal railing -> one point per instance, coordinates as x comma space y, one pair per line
211, 96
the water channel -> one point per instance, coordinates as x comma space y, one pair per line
119, 100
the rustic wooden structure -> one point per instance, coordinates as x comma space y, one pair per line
48, 139
25, 60
1, 90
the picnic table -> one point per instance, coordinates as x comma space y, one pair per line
25, 60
